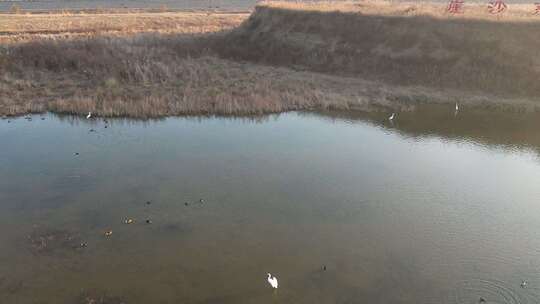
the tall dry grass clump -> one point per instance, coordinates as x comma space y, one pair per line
156, 75
148, 76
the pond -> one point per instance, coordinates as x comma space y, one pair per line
341, 208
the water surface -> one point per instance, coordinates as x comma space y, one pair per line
433, 208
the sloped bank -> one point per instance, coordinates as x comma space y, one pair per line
477, 55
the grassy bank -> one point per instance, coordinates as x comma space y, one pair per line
402, 44
152, 75
283, 57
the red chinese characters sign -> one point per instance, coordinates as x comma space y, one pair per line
497, 7
455, 7
537, 8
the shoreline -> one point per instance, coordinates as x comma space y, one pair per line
169, 64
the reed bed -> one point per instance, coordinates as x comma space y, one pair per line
283, 57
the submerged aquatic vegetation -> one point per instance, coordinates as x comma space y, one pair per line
98, 297
44, 241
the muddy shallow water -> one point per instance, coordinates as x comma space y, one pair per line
433, 208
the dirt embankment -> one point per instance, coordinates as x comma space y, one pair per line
414, 47
283, 57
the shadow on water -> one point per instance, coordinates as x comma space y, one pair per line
147, 122
509, 130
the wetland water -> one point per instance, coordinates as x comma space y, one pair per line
434, 208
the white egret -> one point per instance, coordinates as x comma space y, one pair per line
272, 281
89, 115
457, 107
392, 116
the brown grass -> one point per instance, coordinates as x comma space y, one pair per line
515, 12
152, 75
282, 58
375, 42
30, 27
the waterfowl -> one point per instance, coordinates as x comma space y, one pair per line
129, 221
523, 284
108, 233
149, 221
392, 116
89, 115
272, 281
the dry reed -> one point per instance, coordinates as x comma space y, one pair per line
282, 58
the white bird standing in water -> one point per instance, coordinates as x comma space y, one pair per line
391, 118
457, 107
272, 281
89, 115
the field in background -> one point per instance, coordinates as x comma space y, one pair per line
29, 27
368, 55
56, 5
